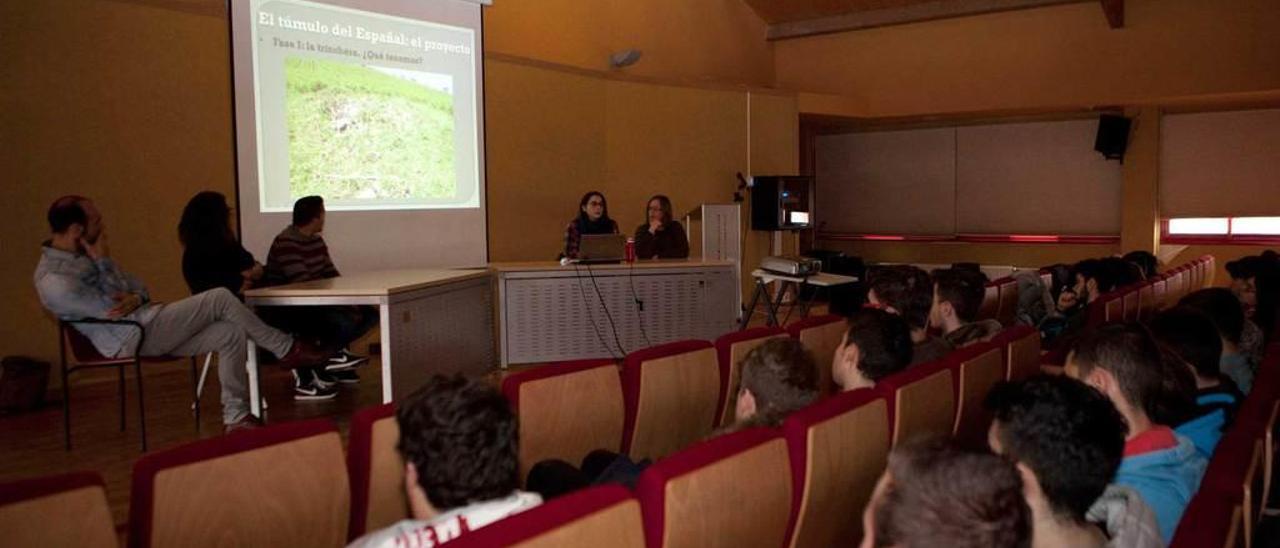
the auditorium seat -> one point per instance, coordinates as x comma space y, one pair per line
566, 410
597, 516
375, 470
1236, 473
1130, 304
1160, 293
730, 350
63, 510
1021, 351
1113, 307
1007, 305
1177, 285
1147, 305
921, 401
838, 446
1210, 521
821, 335
671, 392
282, 485
990, 302
977, 368
733, 490
1210, 270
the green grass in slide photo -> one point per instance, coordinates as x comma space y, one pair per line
359, 133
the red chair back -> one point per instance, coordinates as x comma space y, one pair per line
839, 447
671, 392
976, 372
730, 350
1007, 307
733, 490
63, 510
605, 515
821, 335
282, 485
922, 401
990, 302
567, 410
375, 470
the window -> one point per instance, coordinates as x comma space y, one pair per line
1232, 230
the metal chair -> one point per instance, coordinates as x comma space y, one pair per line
87, 357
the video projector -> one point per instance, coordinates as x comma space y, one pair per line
790, 265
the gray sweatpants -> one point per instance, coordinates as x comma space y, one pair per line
215, 321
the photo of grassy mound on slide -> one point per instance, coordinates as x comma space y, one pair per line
359, 132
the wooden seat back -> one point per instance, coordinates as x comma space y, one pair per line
671, 393
839, 447
63, 510
375, 470
566, 410
282, 485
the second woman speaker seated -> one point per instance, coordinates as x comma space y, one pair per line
661, 237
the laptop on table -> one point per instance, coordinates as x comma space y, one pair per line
602, 248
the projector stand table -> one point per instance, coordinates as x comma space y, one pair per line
764, 278
430, 321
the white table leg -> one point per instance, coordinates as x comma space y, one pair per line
384, 334
251, 367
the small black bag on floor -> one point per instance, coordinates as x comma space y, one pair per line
23, 382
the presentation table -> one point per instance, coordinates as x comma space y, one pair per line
550, 312
431, 321
764, 278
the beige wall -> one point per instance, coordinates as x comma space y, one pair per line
128, 102
698, 40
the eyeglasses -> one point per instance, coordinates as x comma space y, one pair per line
595, 203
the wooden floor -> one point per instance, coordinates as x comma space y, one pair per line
31, 444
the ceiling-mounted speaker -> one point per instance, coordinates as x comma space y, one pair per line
1113, 136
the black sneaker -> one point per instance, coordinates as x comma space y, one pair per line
328, 379
343, 361
305, 388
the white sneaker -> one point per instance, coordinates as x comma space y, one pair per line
311, 390
343, 360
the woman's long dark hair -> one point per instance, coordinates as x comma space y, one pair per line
663, 202
206, 221
585, 225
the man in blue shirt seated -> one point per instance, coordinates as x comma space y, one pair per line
1191, 338
77, 279
1123, 362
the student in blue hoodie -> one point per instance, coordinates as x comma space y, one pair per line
1191, 338
1124, 362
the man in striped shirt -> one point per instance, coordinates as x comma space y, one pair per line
299, 254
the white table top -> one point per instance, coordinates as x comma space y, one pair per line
821, 279
371, 283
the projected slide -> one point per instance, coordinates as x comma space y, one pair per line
369, 111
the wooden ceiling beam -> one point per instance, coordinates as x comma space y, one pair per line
1114, 10
914, 13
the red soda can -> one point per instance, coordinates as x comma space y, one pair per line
630, 250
